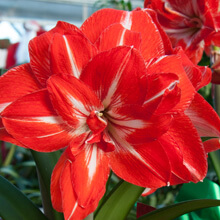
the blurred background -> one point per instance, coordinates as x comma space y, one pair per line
21, 20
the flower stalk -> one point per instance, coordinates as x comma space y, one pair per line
10, 155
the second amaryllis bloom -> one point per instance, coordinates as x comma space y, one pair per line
188, 23
113, 96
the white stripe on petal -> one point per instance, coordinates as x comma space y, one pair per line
115, 82
49, 135
121, 41
91, 161
131, 123
169, 8
72, 60
125, 146
170, 87
74, 209
123, 120
4, 105
44, 119
48, 119
146, 190
126, 21
78, 105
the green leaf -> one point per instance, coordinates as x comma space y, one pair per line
9, 171
45, 163
176, 210
202, 190
120, 201
215, 158
15, 205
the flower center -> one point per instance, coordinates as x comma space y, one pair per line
194, 23
96, 122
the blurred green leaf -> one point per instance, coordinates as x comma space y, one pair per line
2, 71
173, 211
119, 202
215, 158
14, 205
202, 190
8, 171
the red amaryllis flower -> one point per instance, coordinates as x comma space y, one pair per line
214, 52
187, 23
117, 95
115, 30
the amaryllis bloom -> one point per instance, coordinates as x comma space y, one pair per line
188, 23
215, 63
114, 95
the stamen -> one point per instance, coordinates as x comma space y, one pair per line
100, 114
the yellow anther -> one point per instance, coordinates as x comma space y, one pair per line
100, 114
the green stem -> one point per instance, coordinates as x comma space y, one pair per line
119, 201
10, 155
1, 158
214, 156
216, 98
89, 217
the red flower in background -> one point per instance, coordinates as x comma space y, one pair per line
188, 23
117, 95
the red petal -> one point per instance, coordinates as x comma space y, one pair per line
135, 124
71, 208
148, 191
117, 35
198, 75
152, 42
138, 21
70, 53
144, 164
98, 21
92, 162
203, 117
206, 76
166, 41
114, 76
169, 100
175, 156
192, 70
186, 137
212, 145
55, 183
172, 64
185, 6
15, 83
73, 99
95, 122
195, 52
5, 136
39, 51
162, 93
33, 121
